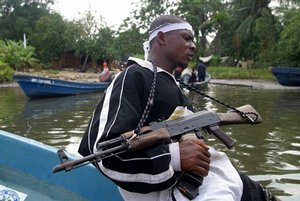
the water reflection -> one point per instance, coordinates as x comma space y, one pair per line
270, 149
59, 122
268, 152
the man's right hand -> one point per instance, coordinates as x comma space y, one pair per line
194, 156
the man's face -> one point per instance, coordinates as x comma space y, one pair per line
180, 47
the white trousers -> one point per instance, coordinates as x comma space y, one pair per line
222, 183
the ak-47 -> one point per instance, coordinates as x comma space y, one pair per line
158, 132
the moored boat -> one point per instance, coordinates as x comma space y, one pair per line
203, 84
39, 87
26, 173
186, 78
287, 76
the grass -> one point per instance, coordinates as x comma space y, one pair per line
221, 72
52, 72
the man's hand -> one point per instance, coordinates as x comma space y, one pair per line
194, 156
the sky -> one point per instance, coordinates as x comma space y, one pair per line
112, 11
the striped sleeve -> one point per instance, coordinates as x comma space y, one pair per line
119, 111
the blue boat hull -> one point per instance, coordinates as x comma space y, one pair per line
33, 158
39, 87
287, 76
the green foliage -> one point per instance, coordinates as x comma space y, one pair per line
104, 45
16, 55
6, 72
289, 43
215, 60
95, 40
20, 16
266, 33
242, 19
129, 43
238, 29
50, 38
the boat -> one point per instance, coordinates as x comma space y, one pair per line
203, 84
26, 173
40, 87
185, 77
287, 76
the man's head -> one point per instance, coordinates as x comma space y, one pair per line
171, 41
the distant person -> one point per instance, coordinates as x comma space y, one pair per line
186, 75
193, 77
177, 72
105, 75
201, 71
104, 65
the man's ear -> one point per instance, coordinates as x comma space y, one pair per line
160, 37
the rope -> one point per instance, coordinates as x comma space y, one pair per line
243, 114
149, 103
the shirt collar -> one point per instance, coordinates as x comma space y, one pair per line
148, 64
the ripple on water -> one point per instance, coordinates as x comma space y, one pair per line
290, 152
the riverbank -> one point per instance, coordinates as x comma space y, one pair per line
93, 77
257, 84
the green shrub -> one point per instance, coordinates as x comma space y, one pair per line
6, 73
16, 56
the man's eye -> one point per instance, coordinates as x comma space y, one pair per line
190, 39
187, 38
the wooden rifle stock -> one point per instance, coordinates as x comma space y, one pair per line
232, 117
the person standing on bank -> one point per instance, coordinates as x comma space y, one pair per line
201, 69
153, 173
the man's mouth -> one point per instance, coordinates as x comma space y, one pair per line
190, 56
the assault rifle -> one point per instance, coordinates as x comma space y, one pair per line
165, 131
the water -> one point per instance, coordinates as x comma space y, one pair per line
268, 152
59, 122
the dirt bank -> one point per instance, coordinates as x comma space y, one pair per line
66, 75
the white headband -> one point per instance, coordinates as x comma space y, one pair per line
164, 29
171, 27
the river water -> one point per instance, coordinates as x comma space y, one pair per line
268, 152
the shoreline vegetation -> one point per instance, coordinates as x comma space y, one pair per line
255, 78
222, 72
217, 72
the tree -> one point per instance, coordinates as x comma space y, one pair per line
146, 11
50, 37
104, 45
288, 47
129, 42
243, 17
96, 40
20, 16
266, 33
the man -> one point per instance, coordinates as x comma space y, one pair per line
201, 71
144, 92
105, 75
177, 72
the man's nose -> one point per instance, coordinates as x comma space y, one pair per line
193, 46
